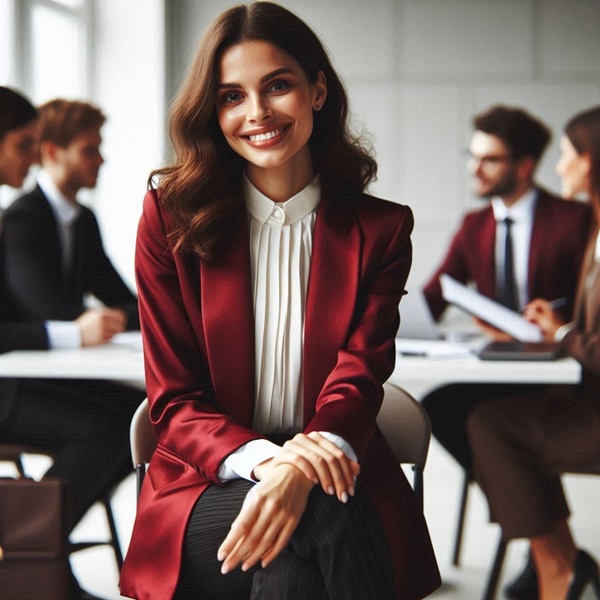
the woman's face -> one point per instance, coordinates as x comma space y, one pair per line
18, 151
573, 169
265, 108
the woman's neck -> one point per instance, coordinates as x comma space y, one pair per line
281, 183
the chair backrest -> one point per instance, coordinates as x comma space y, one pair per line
405, 425
142, 436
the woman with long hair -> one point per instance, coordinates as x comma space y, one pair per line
269, 285
522, 446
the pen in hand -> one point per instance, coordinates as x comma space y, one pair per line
557, 303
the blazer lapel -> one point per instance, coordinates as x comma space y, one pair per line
228, 320
331, 294
539, 232
487, 256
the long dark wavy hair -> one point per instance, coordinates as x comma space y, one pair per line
201, 188
583, 131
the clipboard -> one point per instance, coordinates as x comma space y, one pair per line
489, 310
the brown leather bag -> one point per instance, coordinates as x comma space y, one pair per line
33, 539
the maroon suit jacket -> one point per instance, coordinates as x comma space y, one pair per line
198, 328
558, 240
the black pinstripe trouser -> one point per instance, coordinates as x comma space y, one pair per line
338, 552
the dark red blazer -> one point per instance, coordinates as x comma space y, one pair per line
198, 328
558, 240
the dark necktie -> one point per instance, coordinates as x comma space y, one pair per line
508, 289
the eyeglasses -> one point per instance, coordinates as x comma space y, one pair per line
487, 160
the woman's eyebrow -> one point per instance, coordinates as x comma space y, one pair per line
271, 75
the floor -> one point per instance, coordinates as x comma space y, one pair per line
97, 572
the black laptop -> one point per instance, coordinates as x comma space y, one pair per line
516, 350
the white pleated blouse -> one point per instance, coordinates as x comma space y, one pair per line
280, 251
281, 236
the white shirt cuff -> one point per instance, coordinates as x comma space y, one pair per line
63, 334
241, 463
562, 331
341, 443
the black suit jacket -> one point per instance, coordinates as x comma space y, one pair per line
37, 286
15, 336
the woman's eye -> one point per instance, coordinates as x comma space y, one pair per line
279, 86
231, 97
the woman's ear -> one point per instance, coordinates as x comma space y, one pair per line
320, 91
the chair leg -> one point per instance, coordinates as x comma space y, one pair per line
114, 536
462, 510
418, 484
494, 577
140, 473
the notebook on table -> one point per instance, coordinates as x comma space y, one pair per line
517, 350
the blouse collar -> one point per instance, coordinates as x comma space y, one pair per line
282, 213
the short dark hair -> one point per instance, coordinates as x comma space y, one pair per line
523, 134
15, 111
61, 121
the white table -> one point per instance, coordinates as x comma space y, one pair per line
420, 375
121, 360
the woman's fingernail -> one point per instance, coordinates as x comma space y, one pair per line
351, 490
225, 569
344, 497
330, 490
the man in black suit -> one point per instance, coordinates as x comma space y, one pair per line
83, 423
53, 250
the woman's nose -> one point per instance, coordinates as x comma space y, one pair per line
259, 110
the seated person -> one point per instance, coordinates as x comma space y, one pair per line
83, 424
544, 256
264, 388
52, 247
521, 446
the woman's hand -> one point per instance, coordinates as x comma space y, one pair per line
267, 519
542, 314
320, 460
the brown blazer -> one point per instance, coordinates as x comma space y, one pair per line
583, 341
198, 327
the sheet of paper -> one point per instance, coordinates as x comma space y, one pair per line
432, 348
489, 310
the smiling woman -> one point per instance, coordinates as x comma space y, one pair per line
269, 286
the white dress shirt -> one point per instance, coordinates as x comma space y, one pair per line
521, 213
61, 334
281, 237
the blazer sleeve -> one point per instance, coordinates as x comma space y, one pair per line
454, 264
103, 280
182, 404
584, 346
22, 336
351, 397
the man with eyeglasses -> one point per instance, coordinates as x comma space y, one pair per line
505, 149
525, 243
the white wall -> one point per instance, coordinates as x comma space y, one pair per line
417, 70
128, 83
